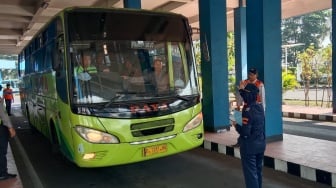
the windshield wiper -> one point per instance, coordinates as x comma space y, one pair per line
119, 95
88, 105
148, 100
182, 98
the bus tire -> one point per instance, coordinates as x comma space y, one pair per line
55, 146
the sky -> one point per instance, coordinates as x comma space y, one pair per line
7, 64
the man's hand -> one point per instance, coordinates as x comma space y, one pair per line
241, 85
233, 123
12, 132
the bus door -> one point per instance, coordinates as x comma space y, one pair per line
41, 107
41, 114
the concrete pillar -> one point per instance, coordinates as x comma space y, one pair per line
240, 43
132, 4
263, 25
333, 42
214, 64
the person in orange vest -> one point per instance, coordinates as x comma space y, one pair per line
252, 79
9, 98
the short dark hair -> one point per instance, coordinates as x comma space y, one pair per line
8, 84
253, 70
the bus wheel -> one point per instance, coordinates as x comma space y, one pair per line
55, 146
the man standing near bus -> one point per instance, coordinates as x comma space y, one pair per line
6, 131
252, 79
9, 98
252, 137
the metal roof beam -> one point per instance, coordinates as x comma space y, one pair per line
13, 18
7, 42
170, 5
17, 10
300, 7
10, 32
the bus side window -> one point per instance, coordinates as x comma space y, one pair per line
58, 56
59, 67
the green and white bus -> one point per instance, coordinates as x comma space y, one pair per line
115, 112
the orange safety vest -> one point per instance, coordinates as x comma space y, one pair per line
8, 94
257, 83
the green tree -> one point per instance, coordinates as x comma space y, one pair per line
306, 58
9, 74
327, 72
288, 81
231, 61
308, 29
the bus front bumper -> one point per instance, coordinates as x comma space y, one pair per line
101, 155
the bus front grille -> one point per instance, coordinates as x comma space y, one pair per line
152, 127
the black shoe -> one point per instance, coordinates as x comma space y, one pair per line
7, 176
237, 145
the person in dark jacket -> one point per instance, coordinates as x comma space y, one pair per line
252, 137
6, 132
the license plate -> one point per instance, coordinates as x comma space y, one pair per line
152, 150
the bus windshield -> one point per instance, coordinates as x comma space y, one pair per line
113, 61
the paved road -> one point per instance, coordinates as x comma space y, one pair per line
197, 168
298, 94
309, 128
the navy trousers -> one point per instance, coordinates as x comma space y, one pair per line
252, 168
8, 106
4, 137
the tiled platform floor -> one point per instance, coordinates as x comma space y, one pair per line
15, 182
310, 152
309, 158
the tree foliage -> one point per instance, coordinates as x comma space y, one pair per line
326, 69
289, 81
231, 61
306, 58
8, 74
310, 29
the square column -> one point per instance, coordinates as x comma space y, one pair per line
240, 43
263, 18
132, 4
214, 64
333, 42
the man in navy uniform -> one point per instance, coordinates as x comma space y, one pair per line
6, 131
252, 137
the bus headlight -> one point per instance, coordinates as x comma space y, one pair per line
95, 136
195, 122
